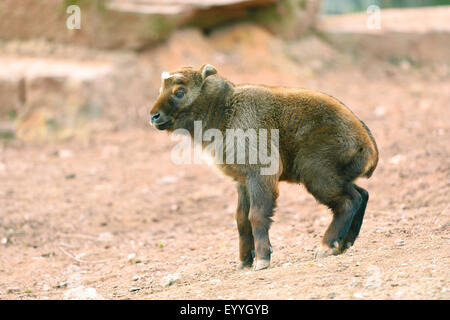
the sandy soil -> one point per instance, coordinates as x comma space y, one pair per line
110, 216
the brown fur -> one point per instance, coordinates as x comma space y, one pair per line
322, 145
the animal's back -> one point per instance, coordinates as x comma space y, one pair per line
313, 126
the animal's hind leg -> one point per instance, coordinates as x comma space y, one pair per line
358, 219
246, 245
344, 201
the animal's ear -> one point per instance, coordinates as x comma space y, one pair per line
207, 70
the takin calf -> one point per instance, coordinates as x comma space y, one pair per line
321, 144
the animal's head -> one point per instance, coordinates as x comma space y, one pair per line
179, 90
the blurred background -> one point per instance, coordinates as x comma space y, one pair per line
55, 78
90, 198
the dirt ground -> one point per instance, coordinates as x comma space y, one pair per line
110, 216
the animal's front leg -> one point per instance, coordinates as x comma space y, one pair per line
246, 245
263, 192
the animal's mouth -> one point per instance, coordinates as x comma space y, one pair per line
164, 125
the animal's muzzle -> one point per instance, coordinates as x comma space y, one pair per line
160, 120
155, 118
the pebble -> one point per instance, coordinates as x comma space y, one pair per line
166, 180
170, 279
397, 159
399, 243
71, 176
214, 281
82, 293
134, 289
13, 290
105, 236
399, 293
380, 111
65, 153
358, 295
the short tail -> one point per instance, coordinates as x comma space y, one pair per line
364, 161
371, 155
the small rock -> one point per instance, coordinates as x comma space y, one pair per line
131, 256
397, 159
399, 293
331, 295
166, 180
105, 236
65, 153
82, 293
399, 243
170, 279
71, 176
358, 295
136, 278
380, 111
134, 289
214, 281
47, 254
13, 290
4, 240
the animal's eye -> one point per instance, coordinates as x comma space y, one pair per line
179, 94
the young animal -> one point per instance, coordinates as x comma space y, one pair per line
321, 144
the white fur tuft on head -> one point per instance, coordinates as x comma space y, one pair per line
165, 75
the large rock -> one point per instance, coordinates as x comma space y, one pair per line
139, 24
43, 94
99, 28
418, 35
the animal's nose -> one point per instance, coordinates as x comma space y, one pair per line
155, 117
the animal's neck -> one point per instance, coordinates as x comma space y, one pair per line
213, 105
